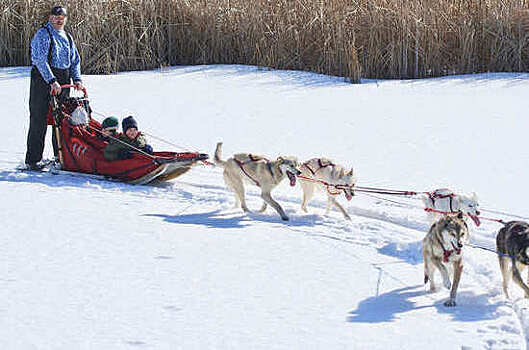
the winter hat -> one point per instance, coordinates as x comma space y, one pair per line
128, 123
110, 122
59, 11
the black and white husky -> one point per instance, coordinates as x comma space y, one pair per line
512, 245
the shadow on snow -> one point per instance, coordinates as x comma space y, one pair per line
235, 219
386, 307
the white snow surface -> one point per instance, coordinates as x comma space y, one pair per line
90, 264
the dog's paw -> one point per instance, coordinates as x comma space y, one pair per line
450, 303
284, 218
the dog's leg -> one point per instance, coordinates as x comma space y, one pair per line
527, 273
339, 206
238, 188
444, 272
428, 271
229, 184
506, 273
521, 268
308, 191
458, 270
268, 199
263, 208
518, 278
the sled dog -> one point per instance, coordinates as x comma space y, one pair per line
443, 246
325, 171
512, 245
445, 200
257, 170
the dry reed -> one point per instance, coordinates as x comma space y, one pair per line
349, 38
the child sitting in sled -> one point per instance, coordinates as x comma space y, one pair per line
100, 139
121, 148
109, 127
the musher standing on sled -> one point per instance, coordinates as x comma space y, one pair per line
55, 62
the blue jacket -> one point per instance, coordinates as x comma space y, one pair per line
62, 56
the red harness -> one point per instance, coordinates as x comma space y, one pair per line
437, 195
328, 186
447, 253
321, 165
251, 160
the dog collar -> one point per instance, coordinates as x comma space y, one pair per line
447, 253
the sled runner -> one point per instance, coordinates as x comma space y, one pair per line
81, 150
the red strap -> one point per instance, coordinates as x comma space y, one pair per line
241, 165
447, 254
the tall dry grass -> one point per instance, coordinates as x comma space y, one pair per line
349, 38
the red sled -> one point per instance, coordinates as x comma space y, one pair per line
81, 150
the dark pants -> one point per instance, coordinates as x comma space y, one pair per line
39, 101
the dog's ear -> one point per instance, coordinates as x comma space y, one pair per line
350, 172
460, 215
474, 196
280, 159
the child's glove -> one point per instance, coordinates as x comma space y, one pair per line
125, 154
148, 149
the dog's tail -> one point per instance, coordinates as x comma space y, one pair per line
426, 272
218, 154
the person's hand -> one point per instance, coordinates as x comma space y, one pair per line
125, 154
55, 88
148, 149
79, 85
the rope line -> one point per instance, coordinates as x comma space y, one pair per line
441, 212
366, 190
390, 200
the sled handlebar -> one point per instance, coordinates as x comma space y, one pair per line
66, 86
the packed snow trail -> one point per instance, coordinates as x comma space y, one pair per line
219, 278
97, 264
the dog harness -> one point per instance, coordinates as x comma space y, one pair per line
447, 253
251, 160
320, 164
437, 195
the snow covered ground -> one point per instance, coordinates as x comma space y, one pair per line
93, 264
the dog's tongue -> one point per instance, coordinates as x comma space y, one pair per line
292, 178
348, 196
475, 219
